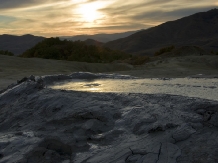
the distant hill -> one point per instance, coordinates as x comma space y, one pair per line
93, 42
200, 29
100, 37
18, 44
54, 48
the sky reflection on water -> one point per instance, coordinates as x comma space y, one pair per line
203, 88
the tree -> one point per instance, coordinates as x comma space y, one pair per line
54, 48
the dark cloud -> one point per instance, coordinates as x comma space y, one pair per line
18, 3
169, 15
6, 4
158, 6
127, 8
51, 18
155, 12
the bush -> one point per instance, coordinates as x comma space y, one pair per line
164, 50
6, 53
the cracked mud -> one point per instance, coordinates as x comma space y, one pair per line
43, 125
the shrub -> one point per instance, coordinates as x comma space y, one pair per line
6, 53
164, 50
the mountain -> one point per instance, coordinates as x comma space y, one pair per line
99, 37
200, 29
18, 44
93, 42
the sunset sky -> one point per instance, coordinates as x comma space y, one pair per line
72, 17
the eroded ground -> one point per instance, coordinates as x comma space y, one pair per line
38, 124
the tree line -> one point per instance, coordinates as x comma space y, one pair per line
54, 48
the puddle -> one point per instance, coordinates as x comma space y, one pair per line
203, 88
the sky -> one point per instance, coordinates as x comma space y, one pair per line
52, 18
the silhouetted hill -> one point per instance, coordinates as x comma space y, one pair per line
100, 37
18, 44
200, 29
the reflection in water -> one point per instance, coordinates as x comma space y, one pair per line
203, 88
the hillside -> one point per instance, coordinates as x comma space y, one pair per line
200, 29
18, 44
100, 37
54, 48
93, 42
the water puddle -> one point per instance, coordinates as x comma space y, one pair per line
203, 88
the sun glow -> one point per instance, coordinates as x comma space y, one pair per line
89, 12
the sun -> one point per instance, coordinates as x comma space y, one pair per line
89, 12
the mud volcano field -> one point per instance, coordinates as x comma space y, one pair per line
162, 109
40, 124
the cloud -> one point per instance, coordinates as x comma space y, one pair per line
56, 18
20, 3
155, 12
8, 4
168, 15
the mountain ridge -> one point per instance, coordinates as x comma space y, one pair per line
197, 27
18, 44
101, 37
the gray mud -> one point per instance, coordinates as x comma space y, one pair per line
206, 88
38, 124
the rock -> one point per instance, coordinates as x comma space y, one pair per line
32, 78
22, 80
40, 82
183, 132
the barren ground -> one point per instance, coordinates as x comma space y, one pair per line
14, 68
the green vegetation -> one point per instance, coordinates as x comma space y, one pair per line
164, 50
2, 52
54, 48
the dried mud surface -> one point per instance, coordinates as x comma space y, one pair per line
43, 125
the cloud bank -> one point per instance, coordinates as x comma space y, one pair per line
72, 17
